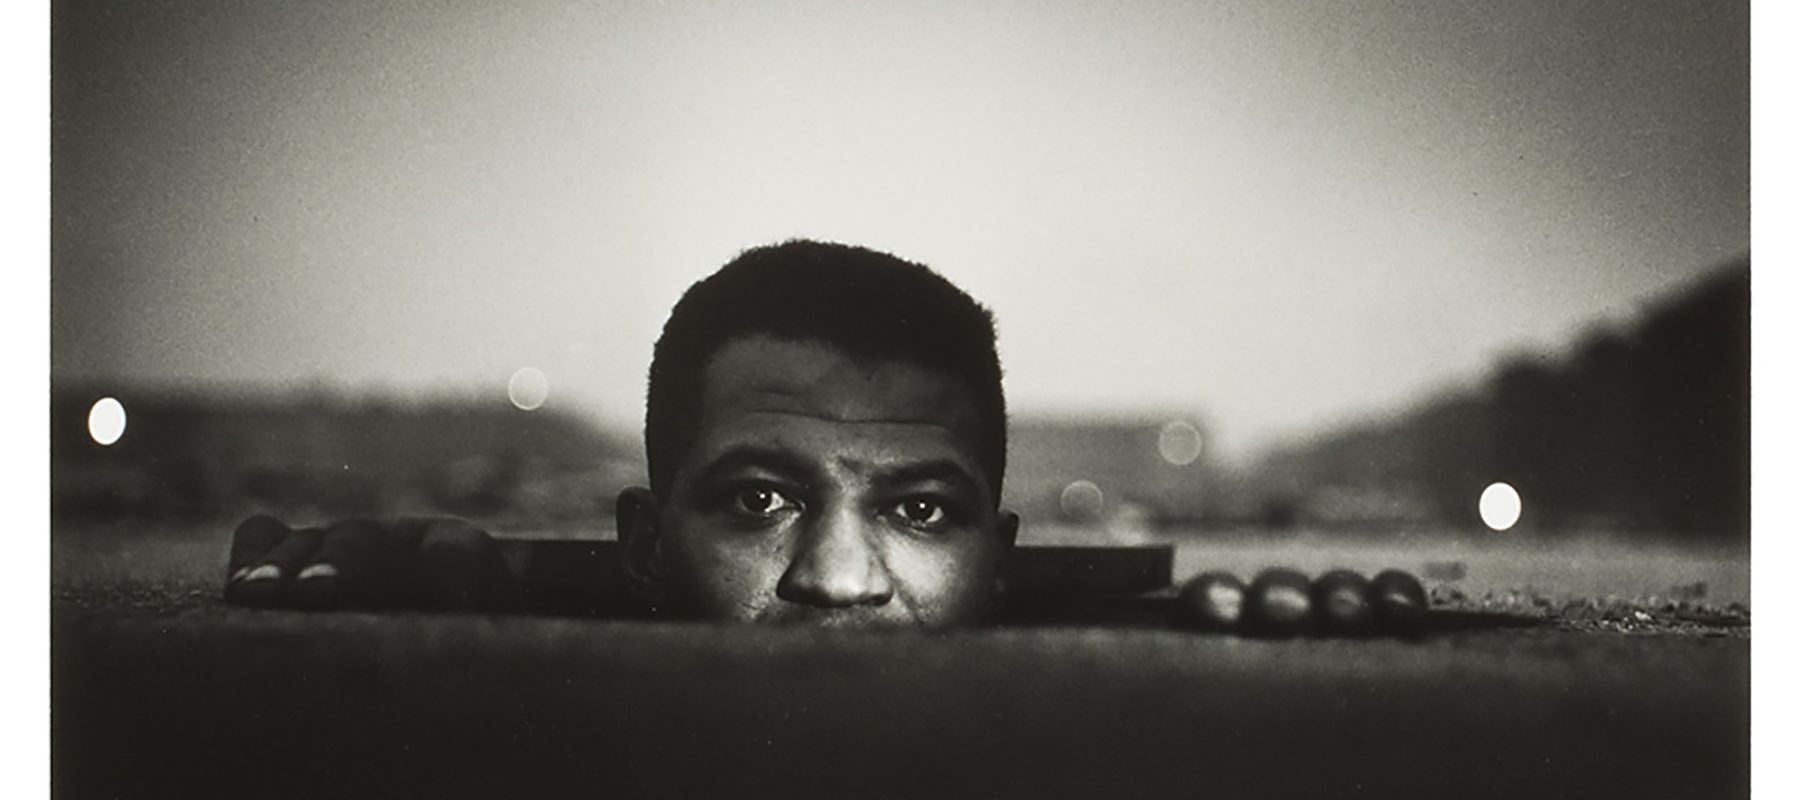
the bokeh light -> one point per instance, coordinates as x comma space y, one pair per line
528, 388
1500, 506
106, 420
1082, 500
1179, 443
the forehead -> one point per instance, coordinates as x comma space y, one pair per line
817, 400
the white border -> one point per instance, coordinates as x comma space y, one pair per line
1773, 400
25, 701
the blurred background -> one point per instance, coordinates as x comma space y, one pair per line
1460, 287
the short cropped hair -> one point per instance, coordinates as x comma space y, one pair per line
865, 303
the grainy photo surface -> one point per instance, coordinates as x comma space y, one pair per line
1019, 399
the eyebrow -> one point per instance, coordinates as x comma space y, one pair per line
786, 462
747, 456
944, 470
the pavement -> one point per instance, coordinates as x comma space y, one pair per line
174, 694
1550, 669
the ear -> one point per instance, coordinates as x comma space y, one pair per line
1008, 529
635, 515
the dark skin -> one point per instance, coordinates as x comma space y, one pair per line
419, 563
818, 489
823, 490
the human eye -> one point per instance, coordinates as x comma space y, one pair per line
924, 513
758, 501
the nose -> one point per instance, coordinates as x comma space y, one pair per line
837, 565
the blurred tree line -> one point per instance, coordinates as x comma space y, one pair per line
1642, 429
189, 455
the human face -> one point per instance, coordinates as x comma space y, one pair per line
826, 490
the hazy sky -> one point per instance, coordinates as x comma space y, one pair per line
1274, 214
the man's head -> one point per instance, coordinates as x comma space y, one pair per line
827, 439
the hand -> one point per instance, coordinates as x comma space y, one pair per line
1283, 602
438, 564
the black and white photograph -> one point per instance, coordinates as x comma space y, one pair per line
664, 398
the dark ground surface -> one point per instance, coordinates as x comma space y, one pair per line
159, 690
214, 702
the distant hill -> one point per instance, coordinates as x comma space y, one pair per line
1644, 428
193, 455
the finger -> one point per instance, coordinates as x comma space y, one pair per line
1341, 603
252, 540
1400, 603
360, 563
460, 568
1278, 603
502, 590
267, 581
1213, 601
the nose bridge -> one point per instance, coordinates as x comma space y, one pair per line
837, 561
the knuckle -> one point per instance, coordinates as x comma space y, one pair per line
255, 521
455, 535
352, 527
260, 526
